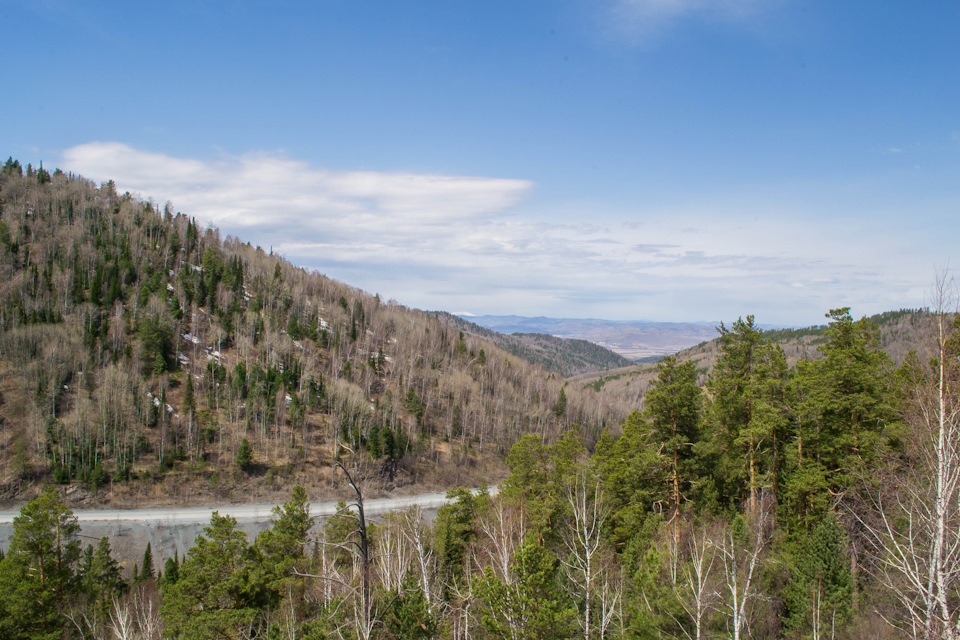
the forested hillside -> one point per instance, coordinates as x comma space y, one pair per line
144, 357
899, 333
566, 356
817, 500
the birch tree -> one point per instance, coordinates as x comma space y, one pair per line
694, 588
583, 542
915, 529
741, 548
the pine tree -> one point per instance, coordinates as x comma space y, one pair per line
674, 405
749, 412
533, 606
215, 590
146, 568
244, 455
845, 419
38, 575
102, 579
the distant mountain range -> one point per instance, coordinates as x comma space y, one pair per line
566, 356
635, 340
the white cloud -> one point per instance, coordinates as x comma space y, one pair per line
445, 242
643, 19
257, 189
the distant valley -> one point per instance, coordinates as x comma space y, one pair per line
635, 340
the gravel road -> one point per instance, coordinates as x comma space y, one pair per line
242, 512
172, 530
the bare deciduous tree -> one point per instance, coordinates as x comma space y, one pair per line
583, 541
915, 529
693, 588
741, 564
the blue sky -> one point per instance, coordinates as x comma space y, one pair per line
625, 159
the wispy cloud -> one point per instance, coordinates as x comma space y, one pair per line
259, 189
444, 242
641, 20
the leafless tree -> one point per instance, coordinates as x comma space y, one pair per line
609, 596
417, 535
915, 530
360, 548
394, 554
502, 529
583, 541
693, 588
741, 565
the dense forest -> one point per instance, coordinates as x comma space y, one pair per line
899, 333
142, 357
761, 499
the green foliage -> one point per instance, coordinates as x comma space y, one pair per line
171, 573
407, 614
674, 405
282, 546
820, 583
156, 346
749, 414
37, 577
146, 567
414, 405
540, 475
12, 167
453, 533
217, 594
633, 470
560, 407
533, 605
101, 579
244, 455
846, 419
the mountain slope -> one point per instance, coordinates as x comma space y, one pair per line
565, 356
144, 357
900, 332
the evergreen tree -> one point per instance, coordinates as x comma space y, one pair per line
819, 595
633, 469
102, 579
748, 415
12, 167
244, 455
846, 420
407, 614
216, 594
560, 408
282, 547
533, 605
540, 475
453, 533
170, 573
38, 575
674, 405
156, 345
146, 568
